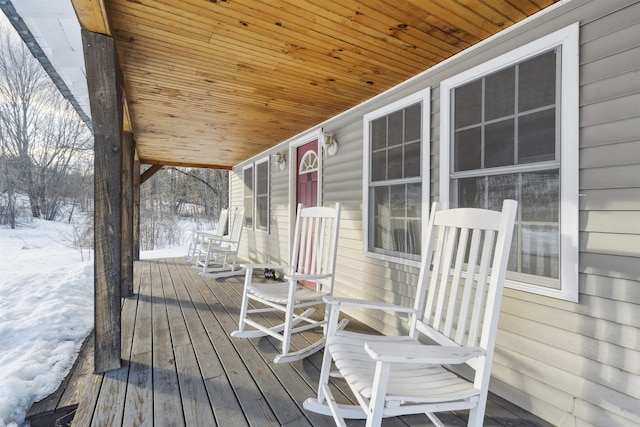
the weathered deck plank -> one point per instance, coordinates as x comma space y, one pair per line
167, 407
181, 367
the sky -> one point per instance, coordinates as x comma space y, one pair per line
46, 311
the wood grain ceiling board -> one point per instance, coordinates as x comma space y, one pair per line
211, 83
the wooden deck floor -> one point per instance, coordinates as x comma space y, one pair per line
181, 368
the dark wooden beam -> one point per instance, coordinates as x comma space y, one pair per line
149, 173
136, 210
105, 97
128, 148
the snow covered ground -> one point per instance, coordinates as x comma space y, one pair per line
46, 311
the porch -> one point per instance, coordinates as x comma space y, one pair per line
180, 367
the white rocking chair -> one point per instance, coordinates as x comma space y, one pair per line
219, 254
199, 237
313, 259
454, 321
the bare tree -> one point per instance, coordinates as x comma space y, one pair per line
42, 137
175, 193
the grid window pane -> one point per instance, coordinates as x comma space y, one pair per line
379, 133
498, 147
396, 130
414, 241
262, 177
414, 200
471, 192
537, 137
499, 95
412, 123
541, 196
394, 168
379, 166
537, 82
398, 201
468, 104
412, 160
540, 250
468, 149
262, 219
499, 188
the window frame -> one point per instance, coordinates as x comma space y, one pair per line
423, 96
568, 39
248, 210
266, 195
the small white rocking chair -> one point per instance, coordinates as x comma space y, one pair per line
219, 254
453, 321
200, 237
313, 259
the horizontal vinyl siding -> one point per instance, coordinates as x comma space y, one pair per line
580, 363
573, 364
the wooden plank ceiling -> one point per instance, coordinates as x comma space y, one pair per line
211, 83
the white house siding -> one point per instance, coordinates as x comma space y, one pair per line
571, 364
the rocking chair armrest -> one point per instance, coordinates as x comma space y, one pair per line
298, 276
375, 305
209, 234
412, 353
257, 266
219, 239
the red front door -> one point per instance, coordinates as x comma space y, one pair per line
307, 181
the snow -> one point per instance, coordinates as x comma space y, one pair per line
46, 311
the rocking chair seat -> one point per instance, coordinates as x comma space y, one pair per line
408, 382
279, 292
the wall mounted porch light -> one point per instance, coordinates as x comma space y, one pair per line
329, 143
280, 161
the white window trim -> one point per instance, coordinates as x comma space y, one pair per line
423, 96
568, 38
255, 194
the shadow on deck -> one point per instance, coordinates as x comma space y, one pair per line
181, 368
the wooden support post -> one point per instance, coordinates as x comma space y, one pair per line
136, 210
127, 214
105, 97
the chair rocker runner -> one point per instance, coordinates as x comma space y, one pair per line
313, 259
200, 237
456, 312
218, 256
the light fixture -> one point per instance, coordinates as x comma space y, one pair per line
330, 144
280, 161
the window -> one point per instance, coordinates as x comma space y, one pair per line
509, 129
262, 195
256, 195
247, 179
395, 184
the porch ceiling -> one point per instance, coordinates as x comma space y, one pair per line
213, 82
